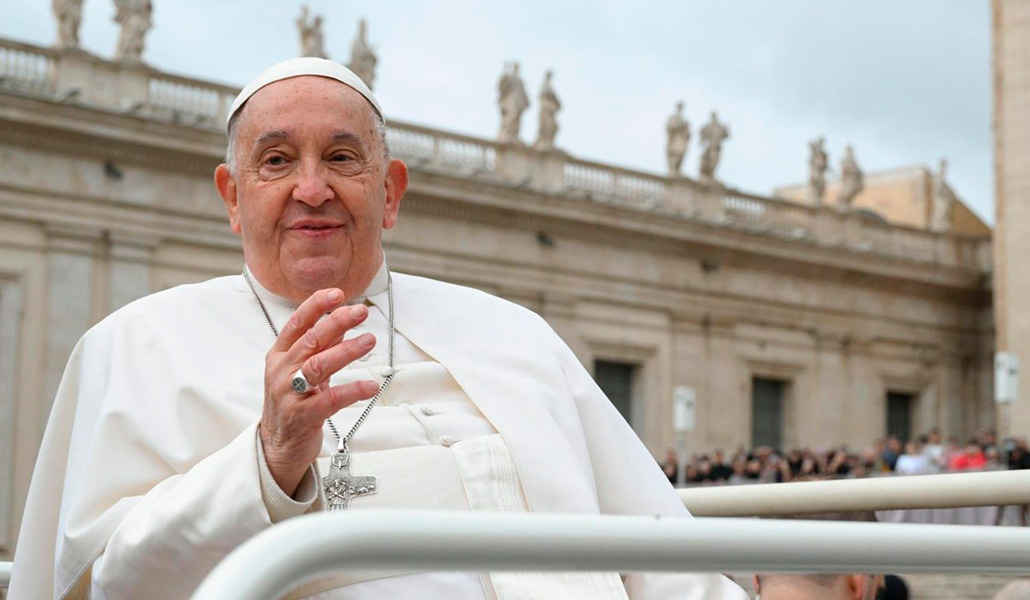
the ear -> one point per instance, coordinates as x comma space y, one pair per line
396, 184
226, 186
860, 586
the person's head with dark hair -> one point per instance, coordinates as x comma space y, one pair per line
894, 588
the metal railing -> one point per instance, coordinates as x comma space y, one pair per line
274, 560
953, 490
306, 548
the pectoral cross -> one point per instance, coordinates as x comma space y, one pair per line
341, 486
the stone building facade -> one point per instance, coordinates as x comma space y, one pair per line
791, 324
902, 196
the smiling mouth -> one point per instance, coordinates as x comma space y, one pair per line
317, 230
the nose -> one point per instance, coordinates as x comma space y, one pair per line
312, 188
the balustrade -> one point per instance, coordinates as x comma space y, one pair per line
25, 68
30, 69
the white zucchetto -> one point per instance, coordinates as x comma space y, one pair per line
296, 67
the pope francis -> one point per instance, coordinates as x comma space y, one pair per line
194, 418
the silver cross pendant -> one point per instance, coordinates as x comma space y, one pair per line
341, 486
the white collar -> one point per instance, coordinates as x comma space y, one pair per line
377, 286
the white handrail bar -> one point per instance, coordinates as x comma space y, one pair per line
305, 548
953, 490
5, 574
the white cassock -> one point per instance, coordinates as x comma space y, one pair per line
151, 470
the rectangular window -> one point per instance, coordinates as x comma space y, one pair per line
616, 380
899, 415
767, 399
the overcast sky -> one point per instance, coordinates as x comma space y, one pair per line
904, 81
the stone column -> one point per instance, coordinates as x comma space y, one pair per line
11, 300
830, 398
724, 407
128, 270
70, 272
1011, 44
689, 369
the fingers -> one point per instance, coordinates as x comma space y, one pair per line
306, 315
319, 367
327, 332
330, 401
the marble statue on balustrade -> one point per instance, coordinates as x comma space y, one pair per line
713, 134
549, 107
677, 131
135, 18
818, 162
362, 58
312, 42
69, 16
513, 101
943, 201
851, 178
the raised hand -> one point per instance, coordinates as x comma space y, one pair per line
291, 422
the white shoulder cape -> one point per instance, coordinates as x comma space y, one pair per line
149, 454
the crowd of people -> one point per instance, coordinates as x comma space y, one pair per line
925, 454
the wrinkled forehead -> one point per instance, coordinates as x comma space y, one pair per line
276, 104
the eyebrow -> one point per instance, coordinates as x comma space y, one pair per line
346, 136
278, 134
282, 134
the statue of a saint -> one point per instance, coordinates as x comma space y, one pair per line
851, 178
135, 18
69, 15
310, 28
943, 201
817, 164
713, 134
678, 131
549, 107
513, 101
362, 58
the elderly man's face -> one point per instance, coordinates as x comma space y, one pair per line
311, 191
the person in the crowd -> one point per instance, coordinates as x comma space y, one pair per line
739, 474
720, 471
894, 588
972, 459
892, 450
671, 466
1019, 456
913, 461
934, 451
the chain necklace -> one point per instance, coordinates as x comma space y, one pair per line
339, 484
